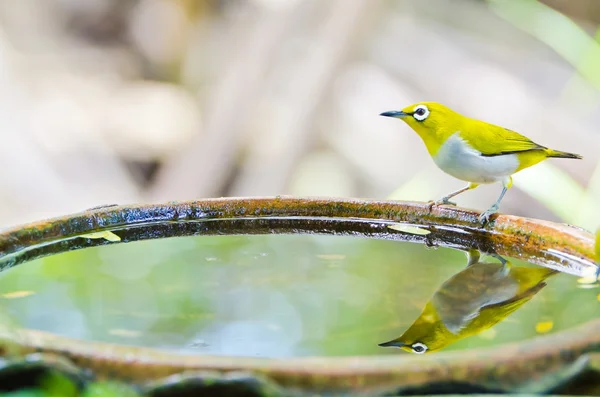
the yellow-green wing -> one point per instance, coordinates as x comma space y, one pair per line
503, 309
492, 140
493, 314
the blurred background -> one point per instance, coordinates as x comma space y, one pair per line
123, 101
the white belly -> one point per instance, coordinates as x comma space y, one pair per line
458, 159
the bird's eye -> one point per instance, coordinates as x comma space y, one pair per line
419, 348
421, 112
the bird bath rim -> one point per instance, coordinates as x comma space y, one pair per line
563, 247
566, 248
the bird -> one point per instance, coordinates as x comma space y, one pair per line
471, 301
472, 150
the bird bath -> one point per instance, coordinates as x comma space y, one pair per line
293, 294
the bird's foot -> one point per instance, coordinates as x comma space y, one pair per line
484, 218
442, 201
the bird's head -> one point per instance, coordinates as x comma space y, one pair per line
424, 115
426, 334
433, 122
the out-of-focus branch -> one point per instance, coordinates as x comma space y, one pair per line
202, 168
286, 134
34, 181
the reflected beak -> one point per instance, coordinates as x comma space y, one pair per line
392, 343
394, 113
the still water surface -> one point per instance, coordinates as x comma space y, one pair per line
264, 295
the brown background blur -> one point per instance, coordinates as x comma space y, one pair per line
123, 101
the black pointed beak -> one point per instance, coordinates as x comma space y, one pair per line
394, 113
392, 343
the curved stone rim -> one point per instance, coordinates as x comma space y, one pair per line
559, 246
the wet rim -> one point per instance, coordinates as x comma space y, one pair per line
558, 246
566, 248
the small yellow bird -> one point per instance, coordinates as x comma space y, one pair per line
473, 300
473, 150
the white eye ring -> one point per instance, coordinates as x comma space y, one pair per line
419, 348
420, 112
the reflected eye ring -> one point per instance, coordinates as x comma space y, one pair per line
418, 348
421, 112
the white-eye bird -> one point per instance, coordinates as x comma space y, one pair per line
473, 300
473, 150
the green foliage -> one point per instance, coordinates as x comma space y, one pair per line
52, 385
58, 386
564, 196
27, 393
558, 31
109, 389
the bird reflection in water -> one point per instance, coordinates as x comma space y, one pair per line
471, 301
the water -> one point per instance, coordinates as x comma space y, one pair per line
262, 295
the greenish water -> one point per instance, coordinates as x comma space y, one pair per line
264, 295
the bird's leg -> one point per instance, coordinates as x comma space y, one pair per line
473, 256
446, 199
485, 216
506, 266
501, 259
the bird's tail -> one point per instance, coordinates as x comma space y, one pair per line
563, 155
